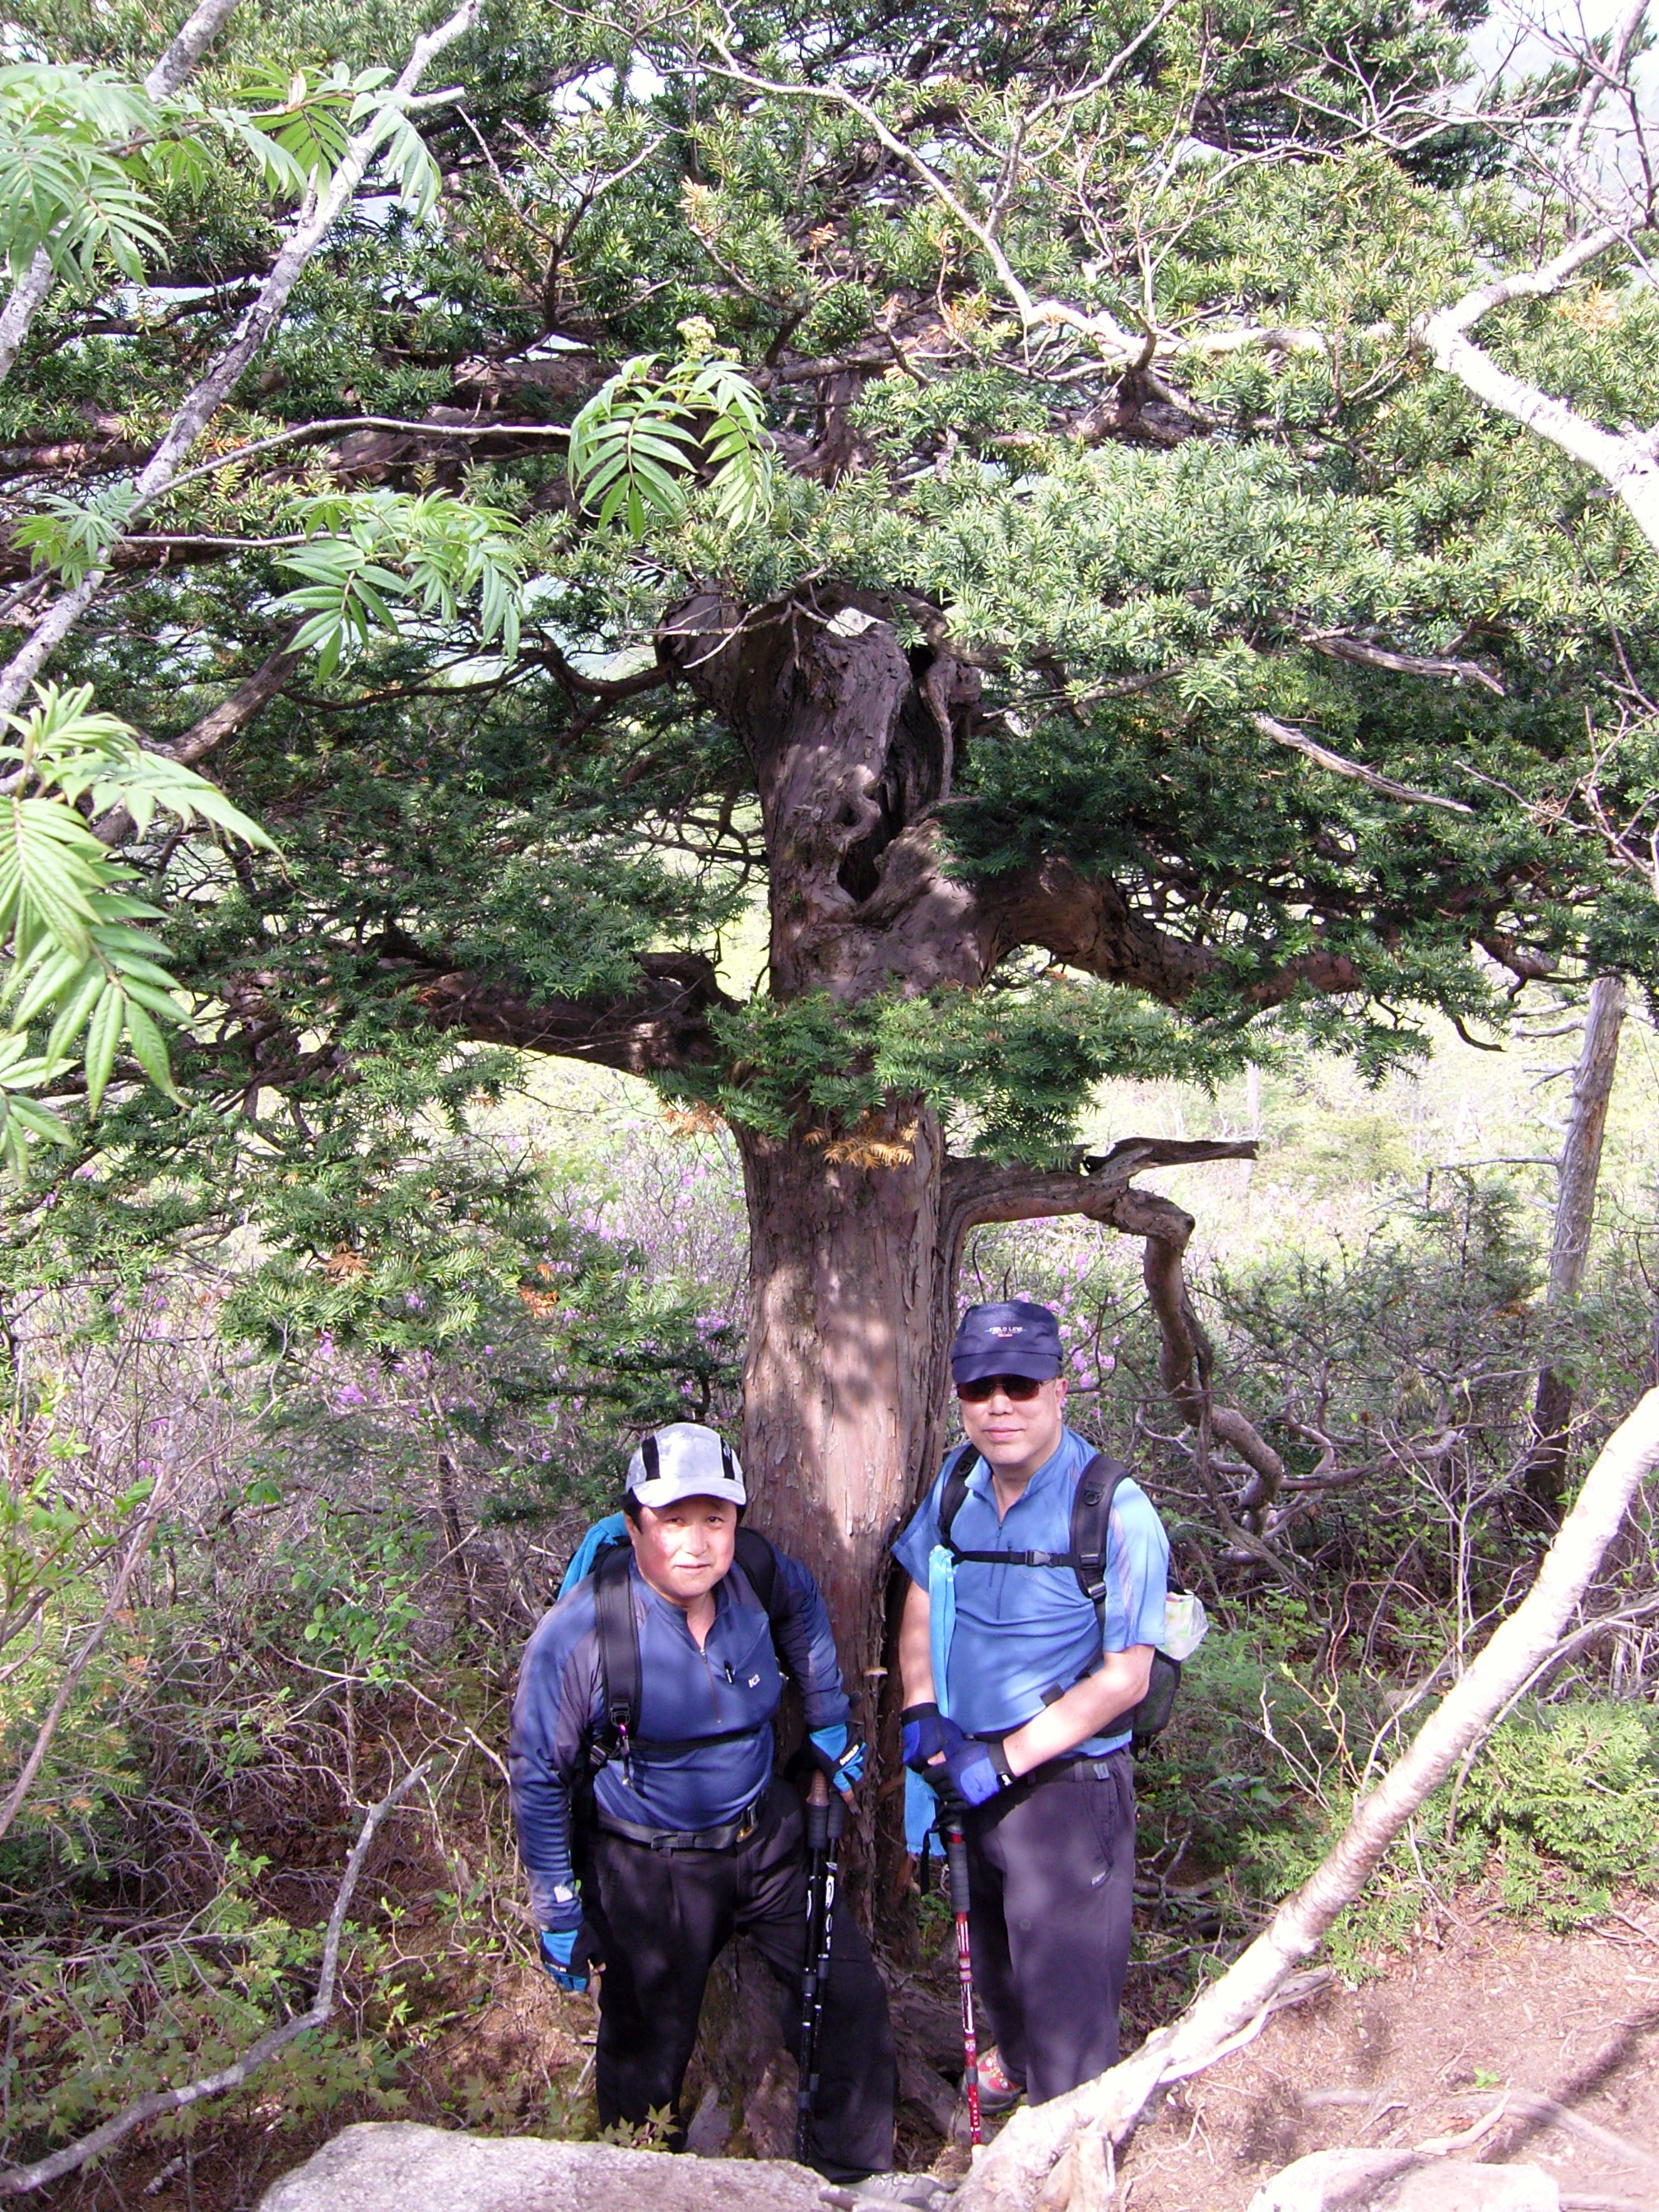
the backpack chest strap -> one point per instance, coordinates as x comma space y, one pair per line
1071, 1560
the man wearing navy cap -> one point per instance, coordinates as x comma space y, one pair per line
1017, 1687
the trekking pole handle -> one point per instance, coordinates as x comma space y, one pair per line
836, 1810
818, 1813
956, 1857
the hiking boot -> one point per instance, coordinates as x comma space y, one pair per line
999, 2092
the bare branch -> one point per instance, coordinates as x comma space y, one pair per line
1116, 342
1603, 77
317, 218
1624, 460
195, 35
1340, 647
19, 2180
77, 1666
316, 430
1282, 733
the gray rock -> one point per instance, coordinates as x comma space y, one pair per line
394, 2166
1404, 2181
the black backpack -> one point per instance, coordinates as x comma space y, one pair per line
619, 1641
1091, 1534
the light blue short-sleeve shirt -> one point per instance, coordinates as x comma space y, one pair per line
1022, 1634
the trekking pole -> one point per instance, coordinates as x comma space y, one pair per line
956, 1857
825, 1820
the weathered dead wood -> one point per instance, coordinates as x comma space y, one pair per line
1015, 2168
1577, 1175
1625, 459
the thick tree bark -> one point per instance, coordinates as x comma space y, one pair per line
1014, 2169
842, 1303
1545, 1474
853, 742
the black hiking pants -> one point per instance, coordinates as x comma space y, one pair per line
661, 1918
1051, 1872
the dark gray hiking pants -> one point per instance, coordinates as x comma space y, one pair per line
1051, 1870
661, 1918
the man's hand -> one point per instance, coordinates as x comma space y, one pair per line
924, 1739
977, 1771
567, 1955
834, 1756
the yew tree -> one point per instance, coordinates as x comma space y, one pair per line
1010, 535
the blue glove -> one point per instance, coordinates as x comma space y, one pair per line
926, 1734
977, 1771
833, 1755
558, 1956
559, 1942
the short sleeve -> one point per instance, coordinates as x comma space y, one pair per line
1138, 1575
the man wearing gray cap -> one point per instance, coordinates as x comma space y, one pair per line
1022, 1658
657, 1675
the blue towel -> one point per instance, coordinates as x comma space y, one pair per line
941, 1621
613, 1529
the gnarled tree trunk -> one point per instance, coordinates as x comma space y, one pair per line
856, 1231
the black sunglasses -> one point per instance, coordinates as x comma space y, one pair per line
1019, 1386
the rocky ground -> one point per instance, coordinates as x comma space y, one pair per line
1466, 2044
1498, 2045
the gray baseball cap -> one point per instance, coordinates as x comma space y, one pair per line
685, 1460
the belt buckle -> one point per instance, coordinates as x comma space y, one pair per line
748, 1821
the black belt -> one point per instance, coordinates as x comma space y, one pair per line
1070, 1770
726, 1838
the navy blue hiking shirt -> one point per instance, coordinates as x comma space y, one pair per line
1023, 1633
728, 1691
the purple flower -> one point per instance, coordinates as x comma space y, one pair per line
350, 1395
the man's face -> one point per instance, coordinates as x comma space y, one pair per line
683, 1549
1014, 1433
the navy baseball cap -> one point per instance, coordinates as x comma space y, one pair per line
1014, 1338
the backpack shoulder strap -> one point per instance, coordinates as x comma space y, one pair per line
619, 1642
1092, 1527
955, 1491
759, 1560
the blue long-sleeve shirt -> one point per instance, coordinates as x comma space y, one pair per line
727, 1691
